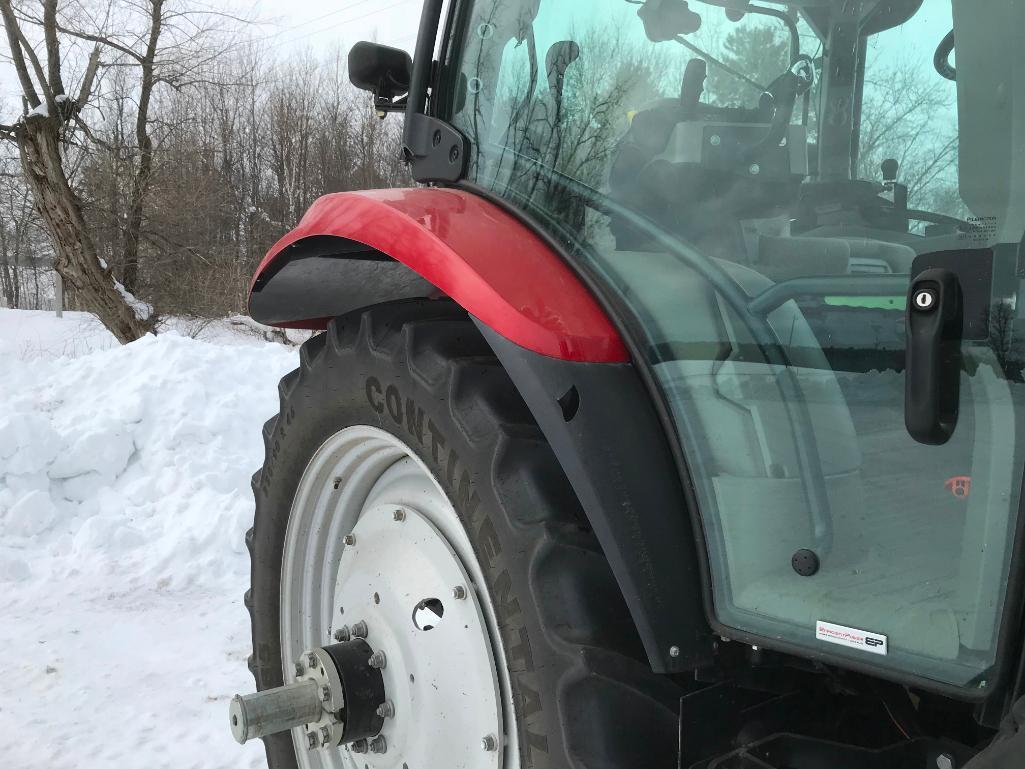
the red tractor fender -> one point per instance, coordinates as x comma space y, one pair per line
467, 248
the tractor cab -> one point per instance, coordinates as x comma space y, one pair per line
811, 216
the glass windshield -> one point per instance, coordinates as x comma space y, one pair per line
759, 187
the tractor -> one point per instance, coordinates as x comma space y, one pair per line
674, 416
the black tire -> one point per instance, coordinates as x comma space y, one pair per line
585, 696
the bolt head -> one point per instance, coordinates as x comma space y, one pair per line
674, 651
489, 743
360, 630
377, 660
349, 540
325, 693
342, 634
944, 761
359, 746
386, 709
300, 671
379, 744
399, 515
311, 660
325, 735
311, 741
459, 593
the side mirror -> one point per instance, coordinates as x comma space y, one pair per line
384, 71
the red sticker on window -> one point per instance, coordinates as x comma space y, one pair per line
960, 486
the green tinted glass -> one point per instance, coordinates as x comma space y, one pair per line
760, 189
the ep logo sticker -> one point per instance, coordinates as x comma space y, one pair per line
873, 643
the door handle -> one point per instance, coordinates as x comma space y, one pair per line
932, 373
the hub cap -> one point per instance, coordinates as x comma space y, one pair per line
408, 572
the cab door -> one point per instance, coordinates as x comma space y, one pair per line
831, 303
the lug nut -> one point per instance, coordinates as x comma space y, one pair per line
311, 660
349, 539
299, 670
311, 741
360, 630
489, 743
325, 735
377, 660
359, 746
379, 744
386, 709
325, 693
459, 593
343, 634
399, 515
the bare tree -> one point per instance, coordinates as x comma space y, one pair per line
178, 194
160, 43
41, 136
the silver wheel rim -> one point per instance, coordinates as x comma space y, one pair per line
448, 684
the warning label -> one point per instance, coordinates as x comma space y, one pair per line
874, 643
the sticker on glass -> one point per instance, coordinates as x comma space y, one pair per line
874, 643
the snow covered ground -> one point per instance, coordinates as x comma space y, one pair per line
124, 496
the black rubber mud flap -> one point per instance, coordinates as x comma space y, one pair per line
600, 421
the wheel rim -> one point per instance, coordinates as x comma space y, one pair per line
445, 672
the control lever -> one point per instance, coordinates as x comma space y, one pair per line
932, 375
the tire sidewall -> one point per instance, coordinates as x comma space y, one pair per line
355, 386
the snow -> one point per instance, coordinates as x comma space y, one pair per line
124, 497
143, 310
31, 334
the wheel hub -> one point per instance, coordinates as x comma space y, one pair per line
403, 579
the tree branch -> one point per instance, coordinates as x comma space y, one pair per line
18, 58
99, 39
53, 51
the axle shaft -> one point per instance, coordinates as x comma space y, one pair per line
274, 710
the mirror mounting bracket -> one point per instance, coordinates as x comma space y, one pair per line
436, 150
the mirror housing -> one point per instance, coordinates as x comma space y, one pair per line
384, 71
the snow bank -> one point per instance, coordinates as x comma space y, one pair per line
124, 496
30, 334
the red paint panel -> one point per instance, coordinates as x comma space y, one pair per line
476, 253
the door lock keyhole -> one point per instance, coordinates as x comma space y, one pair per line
924, 299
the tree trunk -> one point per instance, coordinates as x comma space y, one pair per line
76, 260
140, 184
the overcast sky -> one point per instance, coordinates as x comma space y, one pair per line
296, 25
325, 23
